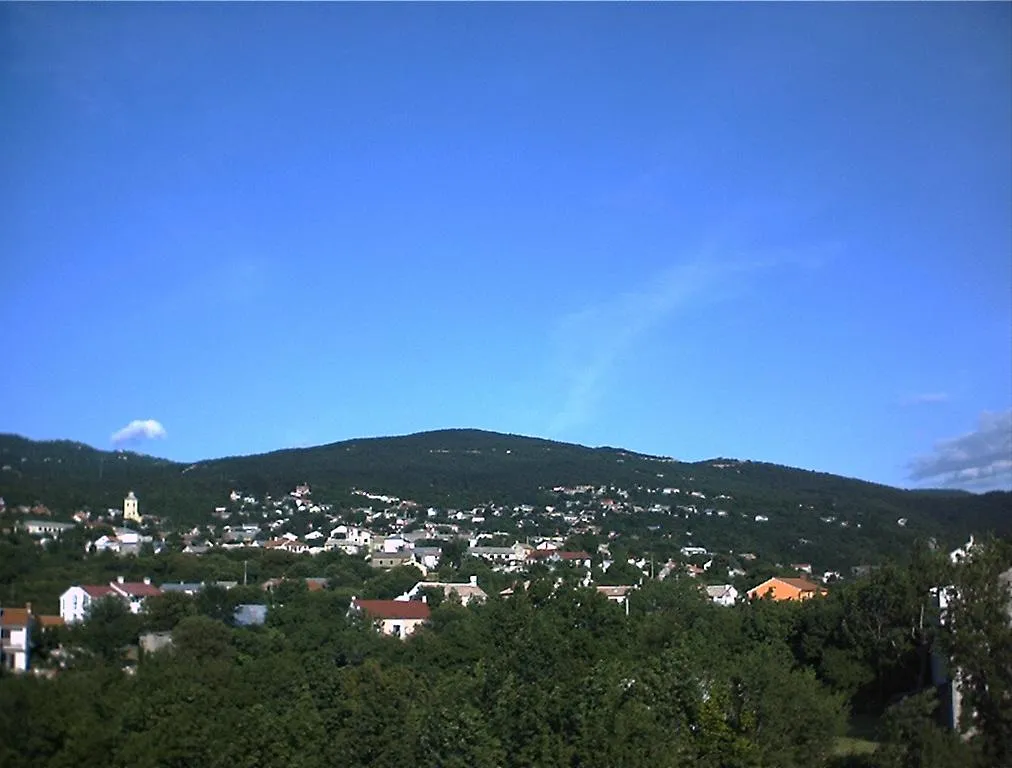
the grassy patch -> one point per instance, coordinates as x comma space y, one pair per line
849, 745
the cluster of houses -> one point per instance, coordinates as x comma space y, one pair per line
392, 532
399, 617
389, 533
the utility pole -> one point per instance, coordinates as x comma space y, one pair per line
244, 572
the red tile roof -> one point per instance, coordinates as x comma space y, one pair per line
138, 589
803, 584
98, 590
13, 617
50, 621
393, 609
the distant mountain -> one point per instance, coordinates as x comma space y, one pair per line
807, 511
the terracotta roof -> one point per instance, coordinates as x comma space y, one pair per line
50, 621
393, 609
138, 589
98, 590
14, 617
803, 584
574, 556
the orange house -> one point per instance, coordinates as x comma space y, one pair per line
782, 588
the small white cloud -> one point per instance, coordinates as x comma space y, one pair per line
139, 429
978, 460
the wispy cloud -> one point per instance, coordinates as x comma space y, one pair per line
925, 398
978, 460
138, 429
590, 342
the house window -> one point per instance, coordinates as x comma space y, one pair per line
397, 630
5, 634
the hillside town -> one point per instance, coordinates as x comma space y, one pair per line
388, 532
385, 533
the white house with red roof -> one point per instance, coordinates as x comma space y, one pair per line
397, 618
76, 601
15, 645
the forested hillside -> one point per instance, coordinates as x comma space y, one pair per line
807, 511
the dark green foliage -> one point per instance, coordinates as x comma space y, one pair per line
109, 631
549, 677
977, 635
539, 679
912, 738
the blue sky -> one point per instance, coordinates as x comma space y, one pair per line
779, 232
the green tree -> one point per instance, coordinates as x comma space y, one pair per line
978, 637
202, 638
109, 628
164, 612
912, 738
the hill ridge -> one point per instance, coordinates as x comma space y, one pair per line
730, 504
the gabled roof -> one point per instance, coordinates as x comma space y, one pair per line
803, 584
183, 586
98, 590
718, 590
50, 621
137, 589
14, 617
392, 609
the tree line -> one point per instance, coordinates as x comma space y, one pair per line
553, 676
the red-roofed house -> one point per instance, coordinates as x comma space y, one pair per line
76, 601
783, 588
135, 592
398, 618
15, 629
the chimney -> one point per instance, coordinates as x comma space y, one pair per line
119, 579
28, 608
474, 581
147, 579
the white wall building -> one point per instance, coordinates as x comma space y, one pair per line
722, 594
45, 527
77, 601
15, 638
397, 618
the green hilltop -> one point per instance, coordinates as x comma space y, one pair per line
812, 516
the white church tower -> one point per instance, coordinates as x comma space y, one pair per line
130, 508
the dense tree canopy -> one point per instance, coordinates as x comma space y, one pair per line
552, 676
